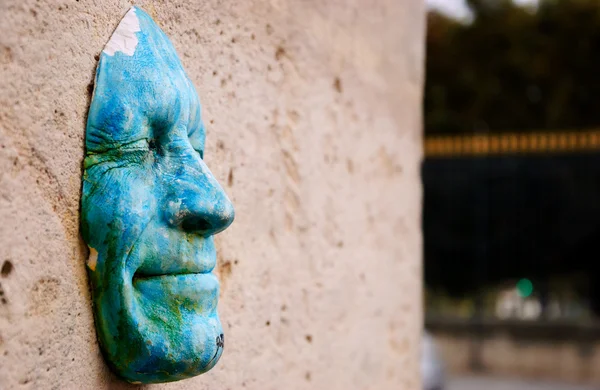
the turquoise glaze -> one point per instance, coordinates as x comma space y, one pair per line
150, 208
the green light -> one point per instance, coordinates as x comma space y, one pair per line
524, 287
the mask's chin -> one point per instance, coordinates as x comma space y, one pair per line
166, 327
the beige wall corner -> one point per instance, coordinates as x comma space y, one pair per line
313, 111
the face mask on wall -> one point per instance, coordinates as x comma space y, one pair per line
150, 208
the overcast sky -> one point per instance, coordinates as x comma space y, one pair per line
458, 8
455, 8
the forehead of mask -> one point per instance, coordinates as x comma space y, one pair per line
143, 95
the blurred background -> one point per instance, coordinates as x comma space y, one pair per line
512, 193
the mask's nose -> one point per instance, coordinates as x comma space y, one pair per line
196, 203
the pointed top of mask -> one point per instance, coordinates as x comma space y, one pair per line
124, 38
140, 83
139, 42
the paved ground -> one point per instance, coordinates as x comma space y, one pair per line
487, 383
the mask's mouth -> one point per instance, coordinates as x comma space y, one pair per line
162, 252
197, 292
142, 275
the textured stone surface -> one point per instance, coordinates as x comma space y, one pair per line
313, 127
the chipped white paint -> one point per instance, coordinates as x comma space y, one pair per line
93, 259
124, 39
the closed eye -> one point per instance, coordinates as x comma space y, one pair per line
196, 134
196, 139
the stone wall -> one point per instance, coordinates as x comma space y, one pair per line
313, 112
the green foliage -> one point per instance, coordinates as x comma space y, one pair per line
514, 68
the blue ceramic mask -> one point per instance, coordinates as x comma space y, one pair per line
150, 208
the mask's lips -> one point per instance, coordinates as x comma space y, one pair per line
190, 292
141, 275
163, 251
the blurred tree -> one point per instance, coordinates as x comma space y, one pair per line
514, 68
489, 219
